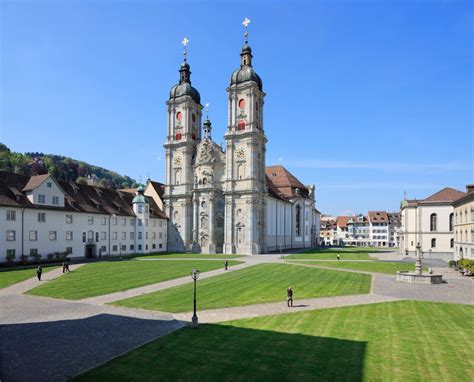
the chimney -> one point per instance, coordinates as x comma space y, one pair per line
469, 187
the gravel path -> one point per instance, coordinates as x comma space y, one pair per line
238, 312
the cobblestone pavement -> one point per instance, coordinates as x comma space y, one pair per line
44, 339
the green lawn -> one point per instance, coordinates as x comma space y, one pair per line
257, 284
369, 266
396, 341
12, 276
107, 277
350, 253
188, 256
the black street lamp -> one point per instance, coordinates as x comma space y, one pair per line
194, 276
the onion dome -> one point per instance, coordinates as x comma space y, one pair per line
184, 87
140, 198
246, 71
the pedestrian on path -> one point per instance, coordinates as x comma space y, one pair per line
226, 264
39, 271
289, 297
67, 265
338, 256
64, 266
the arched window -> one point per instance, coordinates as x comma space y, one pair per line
204, 222
451, 222
433, 243
433, 221
83, 237
240, 171
241, 125
241, 103
179, 116
177, 177
298, 220
451, 243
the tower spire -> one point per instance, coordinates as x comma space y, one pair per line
207, 124
184, 71
246, 54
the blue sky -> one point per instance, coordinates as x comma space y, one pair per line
365, 99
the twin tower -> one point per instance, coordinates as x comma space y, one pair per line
215, 199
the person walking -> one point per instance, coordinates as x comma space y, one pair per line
64, 266
226, 264
67, 265
289, 297
39, 271
338, 256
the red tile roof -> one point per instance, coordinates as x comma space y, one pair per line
35, 181
447, 194
341, 221
284, 182
378, 217
78, 197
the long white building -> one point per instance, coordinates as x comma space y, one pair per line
40, 216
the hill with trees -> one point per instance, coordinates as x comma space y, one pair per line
61, 168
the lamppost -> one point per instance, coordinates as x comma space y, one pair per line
418, 265
195, 276
430, 270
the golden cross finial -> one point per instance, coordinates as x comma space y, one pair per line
207, 110
185, 43
246, 23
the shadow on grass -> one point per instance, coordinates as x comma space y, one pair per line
224, 352
57, 350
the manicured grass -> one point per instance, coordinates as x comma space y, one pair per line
189, 256
351, 253
12, 276
369, 266
396, 341
107, 277
257, 284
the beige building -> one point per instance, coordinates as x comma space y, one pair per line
429, 222
464, 225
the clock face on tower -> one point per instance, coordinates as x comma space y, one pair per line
177, 161
240, 153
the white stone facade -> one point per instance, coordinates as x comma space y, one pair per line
218, 200
44, 227
464, 226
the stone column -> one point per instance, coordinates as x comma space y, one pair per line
212, 239
195, 245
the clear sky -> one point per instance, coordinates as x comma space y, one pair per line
365, 99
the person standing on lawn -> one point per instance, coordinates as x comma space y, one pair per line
39, 271
289, 297
338, 256
226, 264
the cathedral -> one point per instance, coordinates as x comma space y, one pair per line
226, 200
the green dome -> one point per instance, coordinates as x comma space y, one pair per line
139, 199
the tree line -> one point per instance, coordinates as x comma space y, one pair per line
61, 168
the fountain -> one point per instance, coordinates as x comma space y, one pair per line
418, 277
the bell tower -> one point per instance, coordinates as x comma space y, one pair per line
245, 186
184, 133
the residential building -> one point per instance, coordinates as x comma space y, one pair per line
40, 215
378, 228
429, 222
464, 225
328, 230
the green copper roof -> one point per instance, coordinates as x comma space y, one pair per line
139, 199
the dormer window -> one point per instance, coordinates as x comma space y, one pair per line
55, 200
41, 198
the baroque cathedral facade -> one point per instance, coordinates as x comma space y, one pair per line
227, 201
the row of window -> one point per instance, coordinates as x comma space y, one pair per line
103, 249
11, 216
460, 237
33, 235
